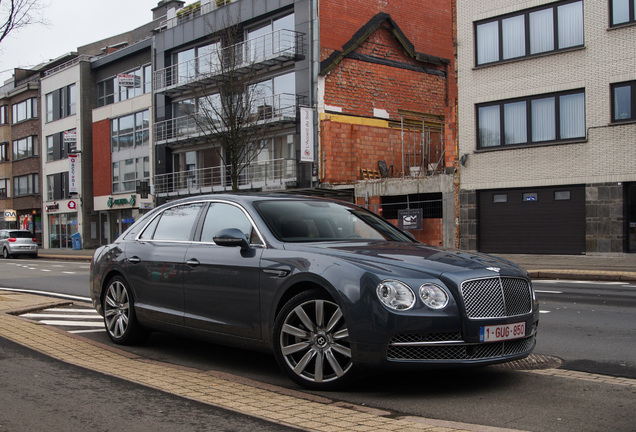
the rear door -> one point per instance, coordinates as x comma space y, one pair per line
155, 263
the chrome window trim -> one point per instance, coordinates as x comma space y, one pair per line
263, 244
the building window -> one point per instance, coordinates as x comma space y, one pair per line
500, 198
130, 131
25, 147
61, 103
562, 195
56, 148
4, 114
4, 152
4, 188
530, 32
111, 90
128, 173
57, 186
532, 120
25, 110
624, 101
26, 185
622, 12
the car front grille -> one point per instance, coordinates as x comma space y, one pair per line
484, 351
496, 297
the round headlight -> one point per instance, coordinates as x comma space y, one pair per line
395, 295
434, 296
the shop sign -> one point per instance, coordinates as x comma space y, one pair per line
410, 219
10, 215
52, 207
73, 181
121, 201
306, 135
72, 205
128, 80
70, 136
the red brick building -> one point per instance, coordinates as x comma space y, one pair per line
388, 94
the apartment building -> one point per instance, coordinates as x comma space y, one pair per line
67, 159
548, 125
6, 202
350, 99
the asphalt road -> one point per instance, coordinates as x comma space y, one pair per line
585, 324
41, 394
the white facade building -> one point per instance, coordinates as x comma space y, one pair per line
547, 129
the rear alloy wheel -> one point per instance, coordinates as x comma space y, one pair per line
119, 313
311, 342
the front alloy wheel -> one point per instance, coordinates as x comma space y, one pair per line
312, 342
119, 314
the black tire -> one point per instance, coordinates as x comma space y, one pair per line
5, 253
311, 342
119, 313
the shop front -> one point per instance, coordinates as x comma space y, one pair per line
61, 228
117, 213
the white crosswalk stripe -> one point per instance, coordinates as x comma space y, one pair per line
75, 320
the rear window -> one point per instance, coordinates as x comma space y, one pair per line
20, 234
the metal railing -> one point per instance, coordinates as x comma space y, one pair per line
188, 14
278, 46
258, 174
275, 108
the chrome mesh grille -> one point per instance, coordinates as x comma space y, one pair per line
461, 352
496, 297
426, 337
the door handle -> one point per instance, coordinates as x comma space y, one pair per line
193, 262
134, 260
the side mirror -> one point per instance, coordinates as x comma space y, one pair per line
231, 237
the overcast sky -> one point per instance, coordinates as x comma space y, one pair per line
71, 23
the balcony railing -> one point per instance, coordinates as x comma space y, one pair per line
188, 14
271, 109
273, 48
272, 174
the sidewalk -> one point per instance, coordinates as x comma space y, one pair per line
615, 267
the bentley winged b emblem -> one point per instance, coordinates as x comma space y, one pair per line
495, 269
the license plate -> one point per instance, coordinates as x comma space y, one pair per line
502, 332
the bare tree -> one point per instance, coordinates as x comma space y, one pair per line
16, 14
233, 110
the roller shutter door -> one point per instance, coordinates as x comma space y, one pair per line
533, 220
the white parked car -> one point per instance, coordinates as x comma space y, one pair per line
17, 242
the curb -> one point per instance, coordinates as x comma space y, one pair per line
609, 276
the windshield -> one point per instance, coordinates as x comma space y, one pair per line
315, 220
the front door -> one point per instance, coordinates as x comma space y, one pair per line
221, 284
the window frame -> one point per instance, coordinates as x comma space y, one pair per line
32, 147
528, 120
4, 152
115, 91
5, 188
526, 13
141, 167
4, 115
32, 185
30, 110
61, 103
631, 19
632, 93
140, 131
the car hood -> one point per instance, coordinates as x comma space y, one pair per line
420, 257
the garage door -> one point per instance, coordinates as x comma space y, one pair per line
533, 220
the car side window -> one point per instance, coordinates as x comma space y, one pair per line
175, 223
221, 216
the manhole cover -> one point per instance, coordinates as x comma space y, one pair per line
533, 362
